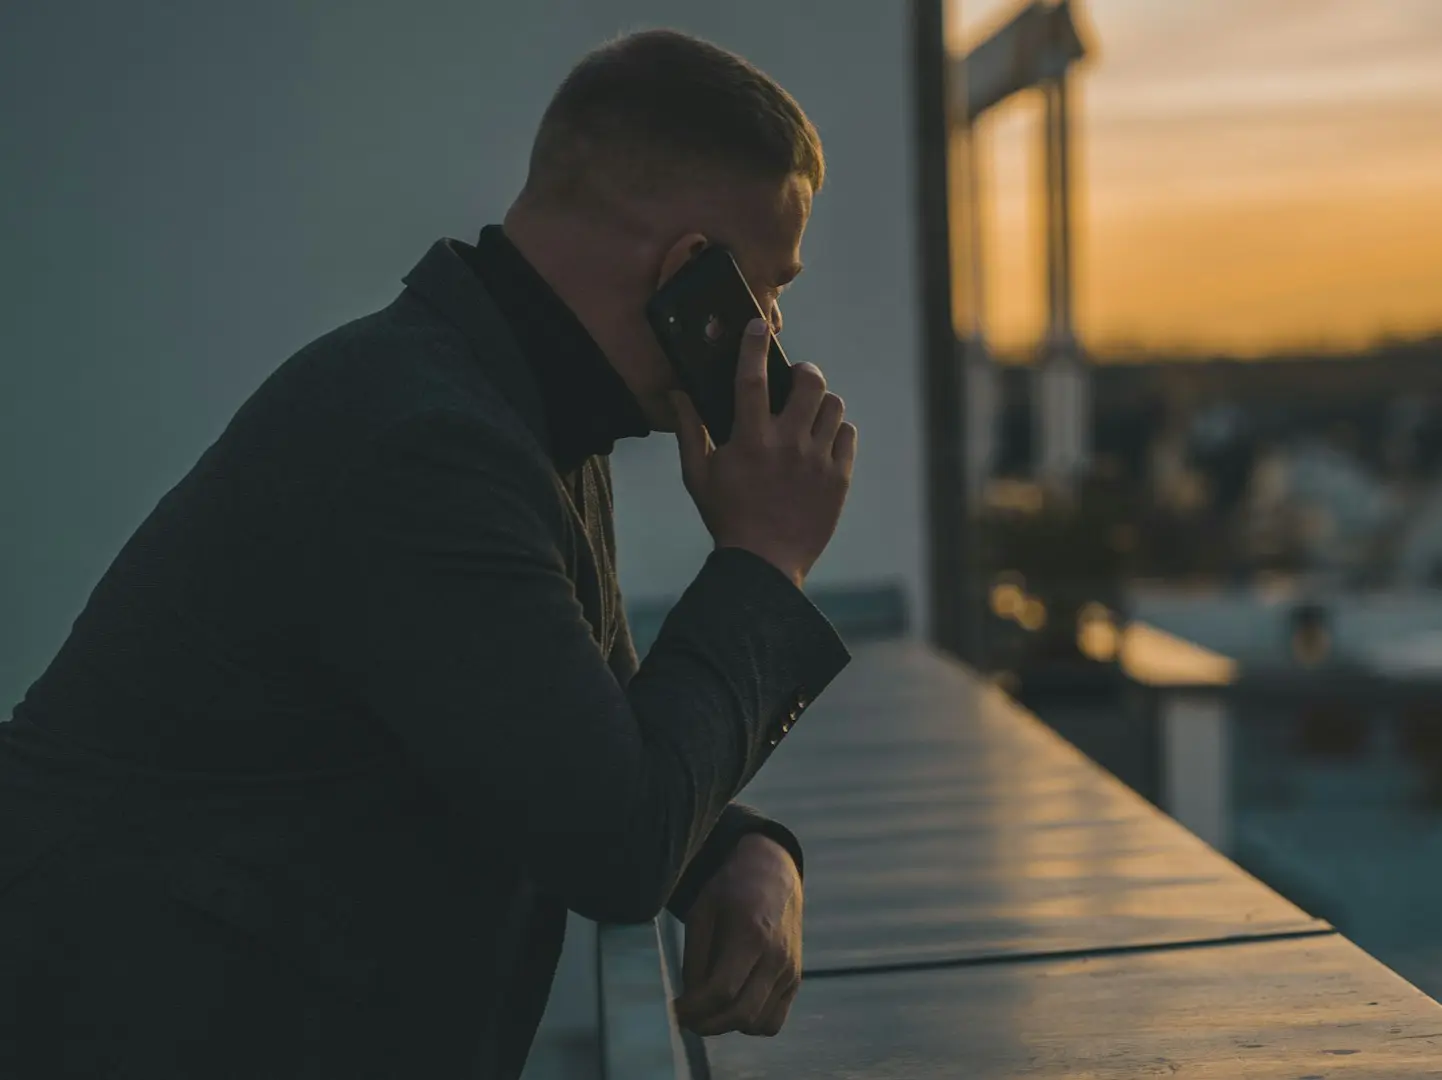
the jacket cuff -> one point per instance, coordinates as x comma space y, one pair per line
735, 822
792, 644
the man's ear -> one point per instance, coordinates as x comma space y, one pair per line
679, 254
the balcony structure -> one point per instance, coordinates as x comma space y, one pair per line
985, 901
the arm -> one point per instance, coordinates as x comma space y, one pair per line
446, 607
735, 821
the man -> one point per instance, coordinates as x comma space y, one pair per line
354, 717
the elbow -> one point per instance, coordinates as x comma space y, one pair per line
627, 898
626, 871
626, 914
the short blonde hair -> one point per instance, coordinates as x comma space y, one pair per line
654, 104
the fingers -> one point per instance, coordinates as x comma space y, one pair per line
843, 450
696, 961
702, 1005
808, 390
745, 1006
747, 988
828, 420
773, 1014
753, 398
691, 437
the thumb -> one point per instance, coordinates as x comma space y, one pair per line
691, 437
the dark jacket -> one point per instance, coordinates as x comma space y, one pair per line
352, 720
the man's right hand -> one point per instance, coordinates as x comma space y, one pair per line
777, 487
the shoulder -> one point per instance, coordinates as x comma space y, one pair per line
484, 443
448, 486
397, 378
400, 360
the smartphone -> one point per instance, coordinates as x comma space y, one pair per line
699, 316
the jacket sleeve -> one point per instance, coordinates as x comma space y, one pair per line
735, 821
444, 605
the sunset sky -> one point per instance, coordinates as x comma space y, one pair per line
1252, 175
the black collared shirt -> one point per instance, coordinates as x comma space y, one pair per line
588, 406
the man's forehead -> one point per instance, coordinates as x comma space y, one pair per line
761, 222
772, 219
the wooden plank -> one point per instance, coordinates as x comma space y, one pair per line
1289, 1010
941, 822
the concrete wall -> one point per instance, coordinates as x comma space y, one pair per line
193, 191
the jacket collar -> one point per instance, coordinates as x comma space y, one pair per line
445, 282
588, 405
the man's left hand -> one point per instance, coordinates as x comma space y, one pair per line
742, 965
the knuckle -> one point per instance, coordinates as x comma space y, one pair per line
763, 930
711, 1026
712, 998
810, 375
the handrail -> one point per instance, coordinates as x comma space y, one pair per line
640, 1039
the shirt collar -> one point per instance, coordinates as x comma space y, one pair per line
587, 404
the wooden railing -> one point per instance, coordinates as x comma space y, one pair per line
984, 901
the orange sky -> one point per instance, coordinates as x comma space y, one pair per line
1252, 175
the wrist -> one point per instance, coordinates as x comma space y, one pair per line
787, 566
770, 841
759, 845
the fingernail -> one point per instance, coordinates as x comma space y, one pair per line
756, 327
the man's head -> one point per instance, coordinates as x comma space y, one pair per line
654, 146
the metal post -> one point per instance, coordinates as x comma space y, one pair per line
1051, 172
981, 389
1062, 110
949, 540
1062, 407
1196, 764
